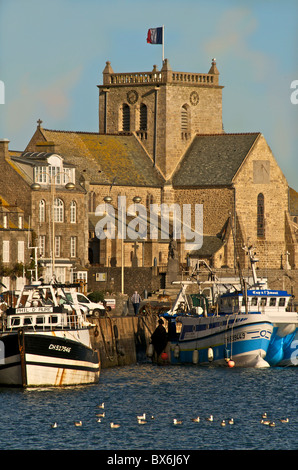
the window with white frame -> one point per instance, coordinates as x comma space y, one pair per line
57, 246
20, 221
40, 174
58, 210
5, 221
73, 247
21, 251
73, 212
42, 210
5, 255
42, 245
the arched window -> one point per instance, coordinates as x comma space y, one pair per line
260, 216
73, 212
125, 118
58, 210
143, 117
42, 211
185, 133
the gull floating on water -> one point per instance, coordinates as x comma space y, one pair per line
177, 421
196, 420
265, 421
210, 418
112, 425
284, 420
101, 406
101, 415
272, 424
231, 421
55, 425
78, 423
142, 417
142, 421
223, 423
264, 416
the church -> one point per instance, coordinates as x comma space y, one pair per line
161, 140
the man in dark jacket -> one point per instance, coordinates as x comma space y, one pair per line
159, 338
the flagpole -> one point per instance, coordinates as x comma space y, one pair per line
163, 47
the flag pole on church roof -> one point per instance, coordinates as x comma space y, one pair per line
156, 36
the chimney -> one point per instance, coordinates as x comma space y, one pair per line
4, 154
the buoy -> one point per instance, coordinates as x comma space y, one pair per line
210, 354
150, 350
195, 356
164, 356
176, 351
231, 363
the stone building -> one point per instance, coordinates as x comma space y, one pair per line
161, 139
57, 215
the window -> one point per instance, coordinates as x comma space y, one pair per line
261, 216
184, 122
73, 212
20, 221
143, 117
42, 211
58, 210
125, 118
5, 256
21, 251
57, 246
5, 221
73, 247
282, 302
92, 201
40, 174
254, 301
272, 302
42, 245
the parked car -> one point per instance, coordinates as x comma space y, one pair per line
77, 298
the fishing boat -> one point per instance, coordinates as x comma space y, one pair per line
46, 343
249, 325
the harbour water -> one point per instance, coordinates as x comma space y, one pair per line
164, 392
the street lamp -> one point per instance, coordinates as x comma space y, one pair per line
36, 187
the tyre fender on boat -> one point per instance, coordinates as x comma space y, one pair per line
176, 351
195, 356
210, 354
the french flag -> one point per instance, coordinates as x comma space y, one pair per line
155, 35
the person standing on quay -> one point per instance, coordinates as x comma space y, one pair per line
136, 300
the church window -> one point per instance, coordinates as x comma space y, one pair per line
92, 201
261, 216
125, 118
143, 117
184, 123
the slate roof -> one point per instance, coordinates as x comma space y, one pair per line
211, 244
102, 157
213, 159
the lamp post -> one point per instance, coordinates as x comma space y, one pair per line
36, 187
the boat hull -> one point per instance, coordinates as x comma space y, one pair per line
241, 338
283, 347
53, 358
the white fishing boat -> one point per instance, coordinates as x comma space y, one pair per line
45, 343
250, 326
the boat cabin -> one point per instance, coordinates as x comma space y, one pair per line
258, 301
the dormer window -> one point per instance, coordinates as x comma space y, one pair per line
54, 172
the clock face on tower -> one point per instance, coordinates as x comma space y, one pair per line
194, 98
132, 96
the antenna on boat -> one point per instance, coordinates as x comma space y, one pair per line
35, 248
253, 261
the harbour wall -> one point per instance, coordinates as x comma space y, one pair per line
122, 340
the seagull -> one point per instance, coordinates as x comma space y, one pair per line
55, 425
196, 420
78, 423
272, 424
101, 415
265, 421
142, 417
231, 421
98, 420
176, 421
223, 423
210, 418
142, 421
284, 420
264, 415
101, 406
114, 426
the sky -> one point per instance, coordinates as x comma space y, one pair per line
53, 52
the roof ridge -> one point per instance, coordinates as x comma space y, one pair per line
228, 133
88, 132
